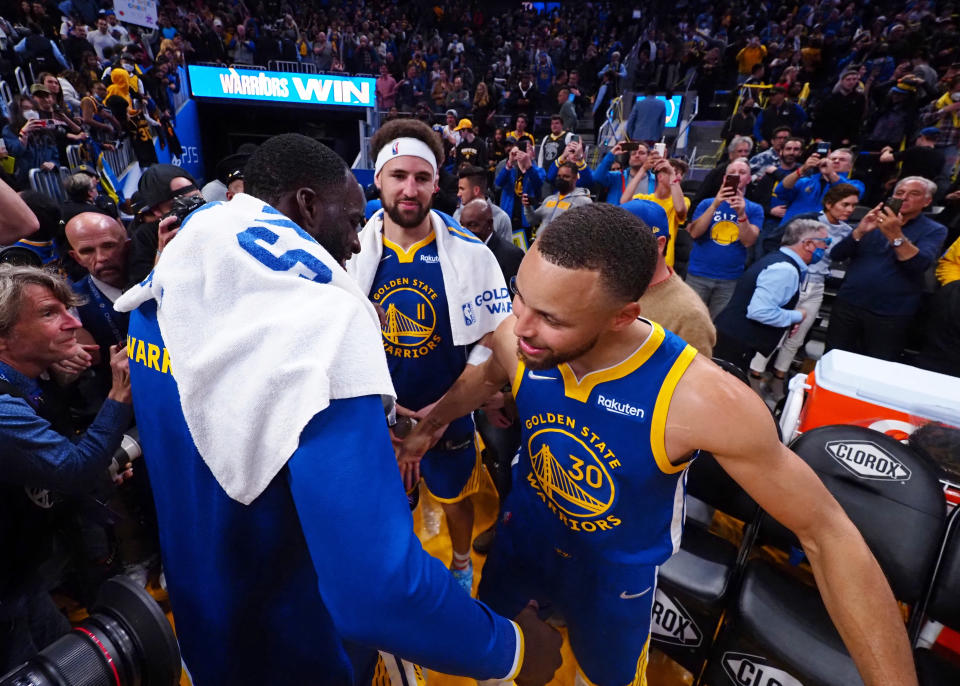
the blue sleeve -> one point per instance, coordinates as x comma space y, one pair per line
502, 177
533, 181
584, 176
758, 128
701, 208
846, 248
12, 141
755, 214
601, 173
20, 47
929, 246
782, 195
35, 455
775, 286
59, 55
551, 171
381, 588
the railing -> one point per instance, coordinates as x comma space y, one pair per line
6, 98
120, 158
49, 182
21, 78
291, 66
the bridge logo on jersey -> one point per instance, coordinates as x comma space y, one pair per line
410, 318
570, 474
751, 670
868, 460
724, 232
672, 624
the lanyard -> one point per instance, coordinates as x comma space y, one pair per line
105, 309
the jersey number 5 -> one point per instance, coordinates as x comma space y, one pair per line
303, 263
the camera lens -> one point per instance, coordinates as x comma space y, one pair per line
126, 640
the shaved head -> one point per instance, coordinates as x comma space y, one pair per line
99, 244
477, 217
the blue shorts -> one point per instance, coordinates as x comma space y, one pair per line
605, 605
452, 475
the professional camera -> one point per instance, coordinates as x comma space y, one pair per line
184, 205
126, 640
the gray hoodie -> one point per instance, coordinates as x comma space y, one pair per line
553, 206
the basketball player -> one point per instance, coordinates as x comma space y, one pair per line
612, 408
411, 257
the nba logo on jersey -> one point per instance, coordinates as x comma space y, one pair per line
468, 317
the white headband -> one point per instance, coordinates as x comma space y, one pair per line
399, 147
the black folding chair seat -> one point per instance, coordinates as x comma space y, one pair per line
894, 498
933, 670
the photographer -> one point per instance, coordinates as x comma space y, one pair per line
40, 448
159, 186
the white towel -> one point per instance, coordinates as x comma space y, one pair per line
477, 297
263, 328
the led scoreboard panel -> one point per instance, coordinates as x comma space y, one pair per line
329, 90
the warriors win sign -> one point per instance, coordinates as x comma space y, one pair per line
285, 87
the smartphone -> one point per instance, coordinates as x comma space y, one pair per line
575, 138
894, 204
660, 149
629, 146
732, 181
523, 144
823, 149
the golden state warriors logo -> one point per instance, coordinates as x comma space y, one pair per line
411, 319
570, 474
725, 232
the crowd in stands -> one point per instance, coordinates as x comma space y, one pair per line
841, 129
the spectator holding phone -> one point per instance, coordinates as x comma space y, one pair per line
572, 153
29, 140
519, 177
669, 195
889, 251
638, 166
802, 190
723, 228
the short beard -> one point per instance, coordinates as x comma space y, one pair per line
553, 359
400, 220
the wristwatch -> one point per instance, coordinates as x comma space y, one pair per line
898, 241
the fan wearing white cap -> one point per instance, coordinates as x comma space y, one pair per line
441, 294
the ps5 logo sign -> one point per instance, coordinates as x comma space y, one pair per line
867, 460
750, 670
672, 624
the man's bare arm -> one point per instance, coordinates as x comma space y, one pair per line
16, 219
853, 586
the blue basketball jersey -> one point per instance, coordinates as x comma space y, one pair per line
593, 473
417, 338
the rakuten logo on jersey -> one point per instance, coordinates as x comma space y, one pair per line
868, 460
620, 407
750, 670
672, 624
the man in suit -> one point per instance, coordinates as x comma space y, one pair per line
477, 217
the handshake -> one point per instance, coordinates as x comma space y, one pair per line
413, 434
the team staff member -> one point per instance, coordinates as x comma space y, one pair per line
722, 228
314, 571
441, 290
612, 409
763, 306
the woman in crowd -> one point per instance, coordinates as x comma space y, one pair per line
31, 141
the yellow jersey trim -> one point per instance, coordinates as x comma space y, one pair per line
581, 389
640, 678
658, 425
36, 244
520, 654
406, 256
460, 232
517, 378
